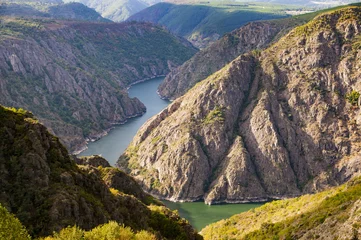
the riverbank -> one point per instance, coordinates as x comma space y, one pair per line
95, 137
112, 145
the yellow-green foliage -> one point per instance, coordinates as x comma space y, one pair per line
323, 21
353, 97
108, 231
114, 191
10, 226
168, 222
69, 233
287, 219
216, 115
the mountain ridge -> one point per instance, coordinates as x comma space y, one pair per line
271, 124
77, 83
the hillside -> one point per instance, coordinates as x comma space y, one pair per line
252, 36
333, 214
76, 83
37, 171
271, 124
204, 23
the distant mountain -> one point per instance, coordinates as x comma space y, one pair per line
203, 24
75, 11
320, 3
115, 10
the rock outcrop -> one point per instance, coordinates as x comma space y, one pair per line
73, 75
41, 184
272, 124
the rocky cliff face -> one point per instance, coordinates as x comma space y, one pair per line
271, 124
73, 75
255, 35
47, 191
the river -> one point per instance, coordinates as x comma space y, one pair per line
113, 145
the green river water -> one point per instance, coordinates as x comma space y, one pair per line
113, 145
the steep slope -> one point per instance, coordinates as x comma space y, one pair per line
76, 83
271, 124
204, 23
47, 191
333, 214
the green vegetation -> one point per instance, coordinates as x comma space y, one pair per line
216, 115
324, 17
200, 21
10, 226
169, 223
353, 97
28, 9
38, 171
108, 231
291, 219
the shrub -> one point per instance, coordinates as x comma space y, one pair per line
216, 115
69, 233
353, 97
108, 231
10, 226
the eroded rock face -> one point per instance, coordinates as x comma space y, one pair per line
73, 76
274, 124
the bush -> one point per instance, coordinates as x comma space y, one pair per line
10, 226
353, 97
69, 233
108, 231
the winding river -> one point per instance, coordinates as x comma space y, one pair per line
112, 146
